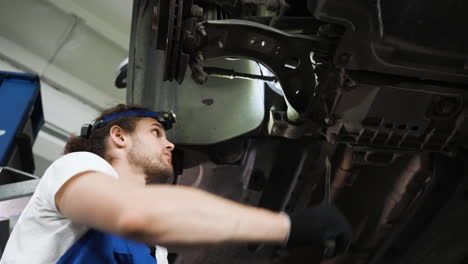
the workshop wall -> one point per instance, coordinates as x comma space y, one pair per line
75, 48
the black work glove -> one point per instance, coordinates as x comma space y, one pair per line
322, 225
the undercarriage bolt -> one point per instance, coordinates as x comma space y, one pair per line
328, 121
190, 42
199, 56
201, 29
197, 11
199, 77
273, 5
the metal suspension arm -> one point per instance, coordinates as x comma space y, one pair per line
290, 57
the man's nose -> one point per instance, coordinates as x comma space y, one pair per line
170, 145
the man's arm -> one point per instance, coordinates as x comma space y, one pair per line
166, 215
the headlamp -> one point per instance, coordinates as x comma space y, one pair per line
167, 119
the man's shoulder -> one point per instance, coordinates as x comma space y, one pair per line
79, 155
79, 161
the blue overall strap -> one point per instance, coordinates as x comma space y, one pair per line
100, 247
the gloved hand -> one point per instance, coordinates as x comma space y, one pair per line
319, 225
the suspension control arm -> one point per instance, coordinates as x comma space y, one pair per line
292, 58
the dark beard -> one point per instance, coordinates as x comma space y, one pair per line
158, 174
155, 170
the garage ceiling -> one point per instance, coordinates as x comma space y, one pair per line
75, 47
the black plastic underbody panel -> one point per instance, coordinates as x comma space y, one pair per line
425, 39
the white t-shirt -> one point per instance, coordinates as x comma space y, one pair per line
42, 234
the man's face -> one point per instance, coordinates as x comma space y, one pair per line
151, 150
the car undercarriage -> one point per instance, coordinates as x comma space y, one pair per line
268, 92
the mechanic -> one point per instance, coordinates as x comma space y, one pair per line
94, 204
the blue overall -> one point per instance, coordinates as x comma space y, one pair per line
100, 247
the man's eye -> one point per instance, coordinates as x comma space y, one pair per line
156, 132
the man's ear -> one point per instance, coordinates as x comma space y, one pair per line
118, 137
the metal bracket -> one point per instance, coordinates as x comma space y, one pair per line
14, 194
187, 41
279, 125
20, 184
290, 57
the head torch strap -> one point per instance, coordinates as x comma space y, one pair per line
167, 119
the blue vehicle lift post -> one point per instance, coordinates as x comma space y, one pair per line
21, 117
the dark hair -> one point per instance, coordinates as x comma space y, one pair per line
96, 143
